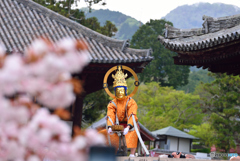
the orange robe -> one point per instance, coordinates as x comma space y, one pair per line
131, 137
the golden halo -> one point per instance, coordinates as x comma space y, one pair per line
105, 85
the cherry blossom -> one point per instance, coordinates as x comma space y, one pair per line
41, 77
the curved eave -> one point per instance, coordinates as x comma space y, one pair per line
129, 55
202, 42
102, 124
151, 136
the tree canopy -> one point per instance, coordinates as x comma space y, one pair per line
221, 100
162, 69
205, 133
95, 106
159, 107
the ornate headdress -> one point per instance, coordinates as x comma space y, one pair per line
119, 78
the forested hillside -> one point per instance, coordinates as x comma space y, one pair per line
126, 25
190, 16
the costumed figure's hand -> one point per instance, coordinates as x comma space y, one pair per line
126, 131
110, 131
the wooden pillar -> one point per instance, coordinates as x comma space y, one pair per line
77, 111
190, 145
178, 145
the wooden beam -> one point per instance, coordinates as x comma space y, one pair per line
77, 112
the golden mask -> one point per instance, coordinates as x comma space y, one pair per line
120, 93
119, 78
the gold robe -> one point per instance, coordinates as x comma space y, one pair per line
131, 136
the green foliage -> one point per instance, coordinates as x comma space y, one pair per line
195, 78
92, 23
162, 69
190, 16
95, 106
126, 25
205, 150
205, 133
221, 99
62, 7
159, 107
109, 29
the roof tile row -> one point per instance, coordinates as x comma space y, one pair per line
203, 41
215, 31
22, 21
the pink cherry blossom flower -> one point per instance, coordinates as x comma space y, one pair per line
38, 47
41, 77
93, 138
66, 44
59, 95
33, 158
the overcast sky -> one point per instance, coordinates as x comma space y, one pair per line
144, 10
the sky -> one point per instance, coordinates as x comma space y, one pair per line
144, 10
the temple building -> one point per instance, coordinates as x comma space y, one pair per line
22, 21
215, 46
172, 139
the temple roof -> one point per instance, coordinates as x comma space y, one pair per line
215, 32
21, 21
145, 133
215, 46
171, 131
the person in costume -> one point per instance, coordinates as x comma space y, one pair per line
120, 111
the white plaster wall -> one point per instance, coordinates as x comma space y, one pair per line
184, 145
162, 143
173, 143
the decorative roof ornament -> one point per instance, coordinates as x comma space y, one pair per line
119, 78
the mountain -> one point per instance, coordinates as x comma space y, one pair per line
190, 16
126, 25
186, 16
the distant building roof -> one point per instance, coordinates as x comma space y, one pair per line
171, 131
21, 21
214, 46
215, 31
143, 130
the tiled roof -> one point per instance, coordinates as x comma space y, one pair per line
215, 31
171, 131
102, 124
21, 21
